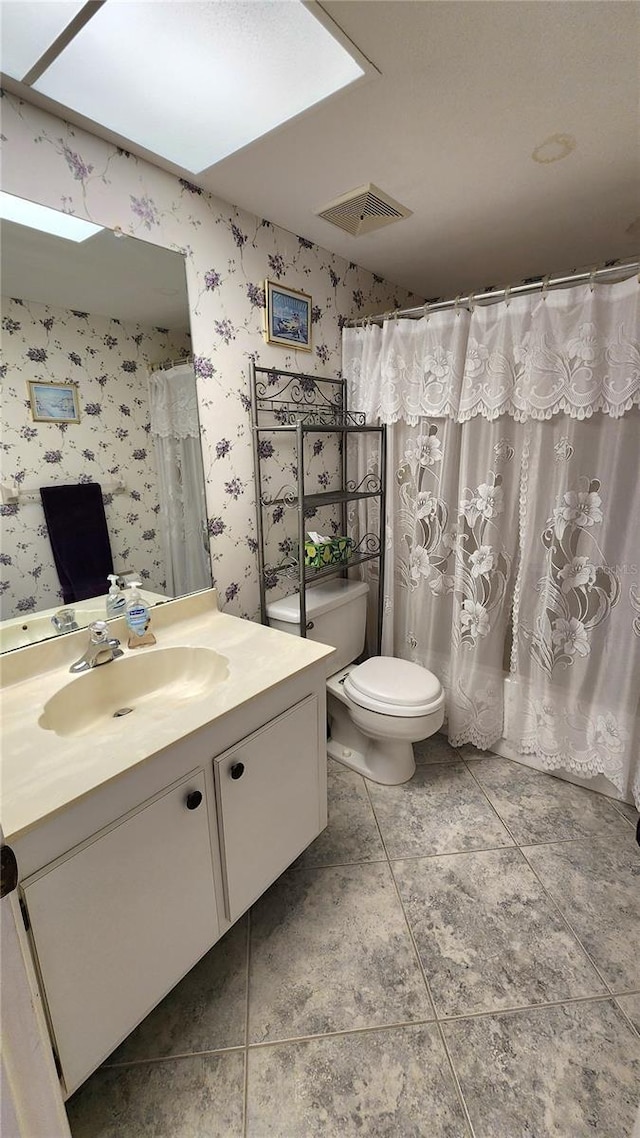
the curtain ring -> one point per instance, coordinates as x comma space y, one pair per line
592, 278
471, 302
545, 285
507, 296
457, 304
425, 311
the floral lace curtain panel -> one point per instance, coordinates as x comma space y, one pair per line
514, 517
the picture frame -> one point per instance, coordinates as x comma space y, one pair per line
53, 402
287, 317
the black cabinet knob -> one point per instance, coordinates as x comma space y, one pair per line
237, 770
193, 799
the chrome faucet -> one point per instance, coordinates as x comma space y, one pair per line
64, 620
102, 649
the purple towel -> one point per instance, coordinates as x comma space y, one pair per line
79, 539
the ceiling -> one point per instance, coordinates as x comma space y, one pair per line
121, 277
467, 92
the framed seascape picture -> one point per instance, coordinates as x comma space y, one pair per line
288, 317
53, 402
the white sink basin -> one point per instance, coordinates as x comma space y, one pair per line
123, 690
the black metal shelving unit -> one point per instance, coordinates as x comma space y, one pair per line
297, 405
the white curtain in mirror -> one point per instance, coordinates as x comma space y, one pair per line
175, 431
513, 556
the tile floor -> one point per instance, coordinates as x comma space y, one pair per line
457, 957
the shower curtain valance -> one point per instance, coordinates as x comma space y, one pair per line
573, 350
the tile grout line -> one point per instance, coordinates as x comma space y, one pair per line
453, 1018
613, 802
287, 1040
439, 853
491, 805
567, 922
454, 1075
456, 1081
599, 997
627, 1017
169, 1058
546, 892
337, 1033
245, 1085
341, 864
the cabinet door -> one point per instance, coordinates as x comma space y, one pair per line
119, 920
269, 803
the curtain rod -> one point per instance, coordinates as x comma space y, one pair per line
541, 284
164, 365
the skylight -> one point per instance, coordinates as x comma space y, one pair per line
47, 220
193, 81
28, 28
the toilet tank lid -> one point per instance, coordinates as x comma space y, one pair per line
393, 681
320, 599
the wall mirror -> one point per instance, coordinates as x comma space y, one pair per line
98, 387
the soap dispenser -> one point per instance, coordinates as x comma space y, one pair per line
138, 618
116, 600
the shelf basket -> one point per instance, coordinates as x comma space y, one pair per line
335, 552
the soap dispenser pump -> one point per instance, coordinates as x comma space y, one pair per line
116, 600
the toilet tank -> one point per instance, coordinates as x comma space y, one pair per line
338, 611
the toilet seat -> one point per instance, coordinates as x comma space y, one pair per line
393, 687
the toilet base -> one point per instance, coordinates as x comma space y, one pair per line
387, 761
390, 765
378, 746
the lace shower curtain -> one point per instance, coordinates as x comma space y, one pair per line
175, 431
514, 517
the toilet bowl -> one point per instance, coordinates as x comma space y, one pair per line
376, 709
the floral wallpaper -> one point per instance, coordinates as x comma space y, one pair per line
229, 253
108, 361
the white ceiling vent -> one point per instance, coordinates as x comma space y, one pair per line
363, 210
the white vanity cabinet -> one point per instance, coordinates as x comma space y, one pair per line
118, 919
270, 805
125, 891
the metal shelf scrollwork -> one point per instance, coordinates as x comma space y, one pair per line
370, 484
291, 403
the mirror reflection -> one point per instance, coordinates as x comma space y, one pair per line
102, 478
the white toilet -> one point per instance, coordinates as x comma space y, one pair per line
377, 709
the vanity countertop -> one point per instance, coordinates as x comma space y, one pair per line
42, 772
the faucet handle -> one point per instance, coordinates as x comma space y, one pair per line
64, 620
98, 634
